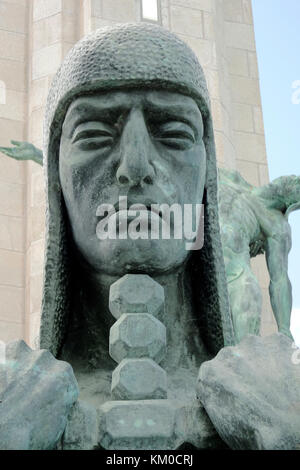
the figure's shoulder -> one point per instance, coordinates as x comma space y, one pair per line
233, 178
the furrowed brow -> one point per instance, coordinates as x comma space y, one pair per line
177, 112
85, 112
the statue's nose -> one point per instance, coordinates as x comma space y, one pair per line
136, 153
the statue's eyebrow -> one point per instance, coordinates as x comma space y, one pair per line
156, 109
84, 111
179, 112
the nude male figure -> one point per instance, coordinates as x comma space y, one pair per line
254, 220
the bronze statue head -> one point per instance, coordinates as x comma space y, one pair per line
128, 114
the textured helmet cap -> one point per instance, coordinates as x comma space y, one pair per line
128, 56
134, 55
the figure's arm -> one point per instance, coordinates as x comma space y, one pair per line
37, 393
277, 251
23, 151
251, 393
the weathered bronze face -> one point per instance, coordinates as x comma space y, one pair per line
145, 145
125, 118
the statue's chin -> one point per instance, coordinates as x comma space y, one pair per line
117, 257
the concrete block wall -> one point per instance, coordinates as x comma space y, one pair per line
13, 98
54, 27
221, 34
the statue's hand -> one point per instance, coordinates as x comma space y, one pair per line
23, 151
251, 393
37, 393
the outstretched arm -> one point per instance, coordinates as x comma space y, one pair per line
23, 151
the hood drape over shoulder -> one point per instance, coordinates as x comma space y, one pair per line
129, 56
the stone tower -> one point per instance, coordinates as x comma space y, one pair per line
35, 35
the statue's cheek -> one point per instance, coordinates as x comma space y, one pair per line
164, 180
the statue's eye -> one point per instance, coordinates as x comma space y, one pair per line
175, 134
95, 135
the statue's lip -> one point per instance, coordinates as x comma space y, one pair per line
138, 205
141, 207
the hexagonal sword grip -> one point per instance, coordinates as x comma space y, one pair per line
137, 335
136, 293
137, 339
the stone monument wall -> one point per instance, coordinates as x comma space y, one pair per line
13, 110
35, 35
